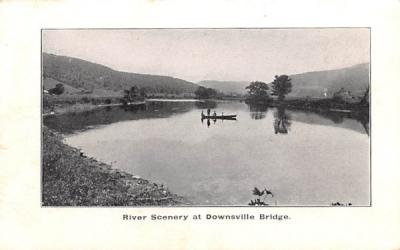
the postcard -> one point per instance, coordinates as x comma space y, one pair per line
187, 125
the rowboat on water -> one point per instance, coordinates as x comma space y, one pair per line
226, 117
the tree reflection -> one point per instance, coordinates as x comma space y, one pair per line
258, 112
336, 117
134, 108
282, 121
363, 118
206, 104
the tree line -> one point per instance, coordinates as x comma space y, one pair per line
258, 92
280, 87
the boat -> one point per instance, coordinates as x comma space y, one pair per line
226, 117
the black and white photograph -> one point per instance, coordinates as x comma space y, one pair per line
237, 117
214, 124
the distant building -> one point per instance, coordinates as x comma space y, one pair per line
325, 94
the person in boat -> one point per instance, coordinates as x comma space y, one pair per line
208, 112
215, 113
202, 113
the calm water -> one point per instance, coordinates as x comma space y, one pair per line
303, 158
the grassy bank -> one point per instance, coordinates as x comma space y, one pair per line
75, 103
72, 179
56, 105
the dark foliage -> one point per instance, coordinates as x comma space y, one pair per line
205, 93
57, 90
258, 93
365, 100
282, 121
257, 192
338, 204
281, 86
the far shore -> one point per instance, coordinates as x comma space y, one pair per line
64, 105
318, 105
82, 107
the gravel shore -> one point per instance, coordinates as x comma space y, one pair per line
69, 178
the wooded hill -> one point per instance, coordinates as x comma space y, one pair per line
92, 77
317, 84
226, 87
325, 83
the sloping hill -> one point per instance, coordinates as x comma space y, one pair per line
81, 74
226, 87
313, 84
49, 83
319, 83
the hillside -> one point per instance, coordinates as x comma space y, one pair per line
49, 83
81, 74
226, 87
315, 84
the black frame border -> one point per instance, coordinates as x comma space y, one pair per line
208, 206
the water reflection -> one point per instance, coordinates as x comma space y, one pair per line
206, 104
208, 120
222, 164
363, 118
71, 122
283, 118
282, 121
132, 108
338, 118
258, 112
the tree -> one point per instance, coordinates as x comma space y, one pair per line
343, 96
365, 99
58, 90
281, 86
142, 92
205, 93
130, 94
257, 92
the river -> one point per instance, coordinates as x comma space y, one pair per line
303, 158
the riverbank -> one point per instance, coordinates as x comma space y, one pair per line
54, 104
69, 178
322, 104
57, 105
315, 105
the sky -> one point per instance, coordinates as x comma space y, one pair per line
214, 54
